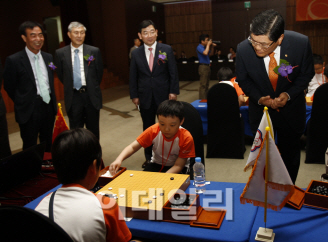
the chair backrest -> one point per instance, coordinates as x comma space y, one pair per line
193, 123
317, 130
24, 224
225, 134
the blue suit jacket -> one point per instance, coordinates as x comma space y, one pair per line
253, 79
159, 83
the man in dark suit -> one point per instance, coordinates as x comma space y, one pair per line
80, 69
29, 82
4, 139
269, 43
153, 76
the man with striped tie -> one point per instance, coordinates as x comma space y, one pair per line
153, 76
29, 82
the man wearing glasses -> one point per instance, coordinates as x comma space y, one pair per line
153, 76
266, 46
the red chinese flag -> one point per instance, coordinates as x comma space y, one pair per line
60, 123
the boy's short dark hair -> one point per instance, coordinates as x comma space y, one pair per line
73, 151
144, 24
225, 74
202, 37
317, 59
28, 25
269, 23
325, 72
171, 108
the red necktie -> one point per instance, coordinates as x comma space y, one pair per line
272, 75
151, 59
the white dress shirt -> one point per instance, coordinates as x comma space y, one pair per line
80, 48
147, 52
276, 56
43, 69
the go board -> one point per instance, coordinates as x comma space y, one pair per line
142, 194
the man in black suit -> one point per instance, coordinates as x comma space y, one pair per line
80, 69
269, 43
29, 82
4, 140
153, 76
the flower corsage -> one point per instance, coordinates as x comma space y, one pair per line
162, 56
52, 66
284, 69
89, 58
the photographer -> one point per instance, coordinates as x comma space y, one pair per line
204, 49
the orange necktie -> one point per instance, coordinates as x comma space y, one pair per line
272, 75
151, 59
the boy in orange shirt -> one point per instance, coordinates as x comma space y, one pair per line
85, 216
172, 144
225, 75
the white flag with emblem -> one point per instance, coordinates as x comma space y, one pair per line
258, 140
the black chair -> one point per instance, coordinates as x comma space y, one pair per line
317, 129
225, 133
24, 224
193, 123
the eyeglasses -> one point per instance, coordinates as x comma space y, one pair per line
150, 33
262, 46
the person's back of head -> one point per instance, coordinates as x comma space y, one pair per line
202, 37
171, 108
269, 23
73, 152
225, 74
317, 59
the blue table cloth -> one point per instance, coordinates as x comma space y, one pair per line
289, 224
236, 225
202, 110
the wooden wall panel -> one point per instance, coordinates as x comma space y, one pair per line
316, 30
184, 22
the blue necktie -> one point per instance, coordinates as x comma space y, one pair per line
77, 71
44, 92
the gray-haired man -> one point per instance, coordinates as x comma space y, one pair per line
80, 69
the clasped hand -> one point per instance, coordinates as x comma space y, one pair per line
276, 103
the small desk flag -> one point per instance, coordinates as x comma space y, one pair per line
280, 186
60, 123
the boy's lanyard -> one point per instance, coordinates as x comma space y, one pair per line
163, 153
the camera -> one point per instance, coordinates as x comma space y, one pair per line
217, 42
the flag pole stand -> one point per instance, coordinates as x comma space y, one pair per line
266, 234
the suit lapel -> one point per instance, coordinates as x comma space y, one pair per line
68, 57
27, 65
157, 50
143, 57
86, 51
46, 61
284, 53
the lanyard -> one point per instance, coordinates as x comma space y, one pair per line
323, 79
167, 154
